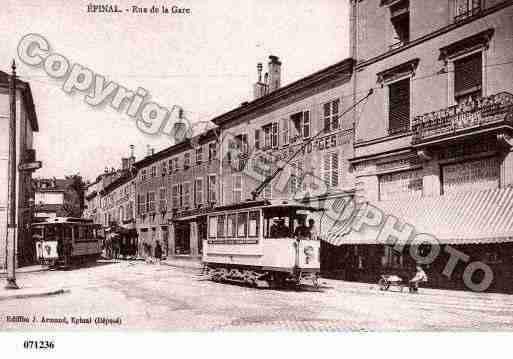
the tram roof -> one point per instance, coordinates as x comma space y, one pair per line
266, 204
66, 220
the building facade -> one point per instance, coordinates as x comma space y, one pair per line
174, 189
26, 125
432, 144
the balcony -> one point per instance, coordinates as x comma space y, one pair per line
474, 116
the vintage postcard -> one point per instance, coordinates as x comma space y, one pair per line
255, 166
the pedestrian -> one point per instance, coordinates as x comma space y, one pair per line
419, 277
314, 233
158, 252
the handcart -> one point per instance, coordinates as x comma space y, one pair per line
386, 281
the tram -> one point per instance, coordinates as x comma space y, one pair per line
60, 241
261, 243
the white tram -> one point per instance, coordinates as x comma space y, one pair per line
259, 243
62, 240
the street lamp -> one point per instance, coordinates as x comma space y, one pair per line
11, 186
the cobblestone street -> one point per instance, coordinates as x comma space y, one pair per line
149, 296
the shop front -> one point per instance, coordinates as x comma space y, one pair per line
467, 237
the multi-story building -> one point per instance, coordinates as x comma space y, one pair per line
302, 128
174, 189
433, 143
26, 125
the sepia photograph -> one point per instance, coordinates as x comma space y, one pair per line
255, 168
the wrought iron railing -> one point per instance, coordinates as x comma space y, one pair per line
472, 114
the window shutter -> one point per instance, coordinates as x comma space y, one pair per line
468, 74
399, 106
334, 169
327, 116
306, 124
326, 169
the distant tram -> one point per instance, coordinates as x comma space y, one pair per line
261, 243
60, 241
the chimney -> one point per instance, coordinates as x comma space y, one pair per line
148, 150
131, 159
274, 73
124, 163
259, 86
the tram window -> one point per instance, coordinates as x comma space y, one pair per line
220, 226
242, 224
212, 226
37, 233
230, 230
254, 224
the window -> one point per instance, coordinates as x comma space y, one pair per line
274, 136
466, 8
237, 188
241, 143
301, 122
468, 73
331, 110
175, 198
212, 226
400, 18
175, 165
142, 204
285, 131
162, 200
153, 171
199, 155
267, 136
254, 224
220, 226
163, 169
242, 224
170, 165
211, 189
257, 139
230, 226
186, 198
143, 175
198, 191
399, 106
330, 169
212, 151
150, 205
186, 160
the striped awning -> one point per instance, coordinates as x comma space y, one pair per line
462, 218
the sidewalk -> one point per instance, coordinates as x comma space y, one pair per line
28, 269
28, 288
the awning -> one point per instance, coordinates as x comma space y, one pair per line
462, 218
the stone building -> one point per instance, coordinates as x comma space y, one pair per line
175, 189
26, 125
433, 143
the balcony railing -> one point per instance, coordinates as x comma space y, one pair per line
474, 114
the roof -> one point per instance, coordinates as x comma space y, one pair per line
175, 149
343, 67
462, 218
28, 100
264, 204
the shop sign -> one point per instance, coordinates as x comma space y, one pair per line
471, 175
400, 184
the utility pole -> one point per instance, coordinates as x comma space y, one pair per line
11, 187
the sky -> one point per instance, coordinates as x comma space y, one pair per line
204, 62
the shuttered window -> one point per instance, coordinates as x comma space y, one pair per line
468, 73
399, 106
330, 169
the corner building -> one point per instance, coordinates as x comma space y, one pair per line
433, 144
